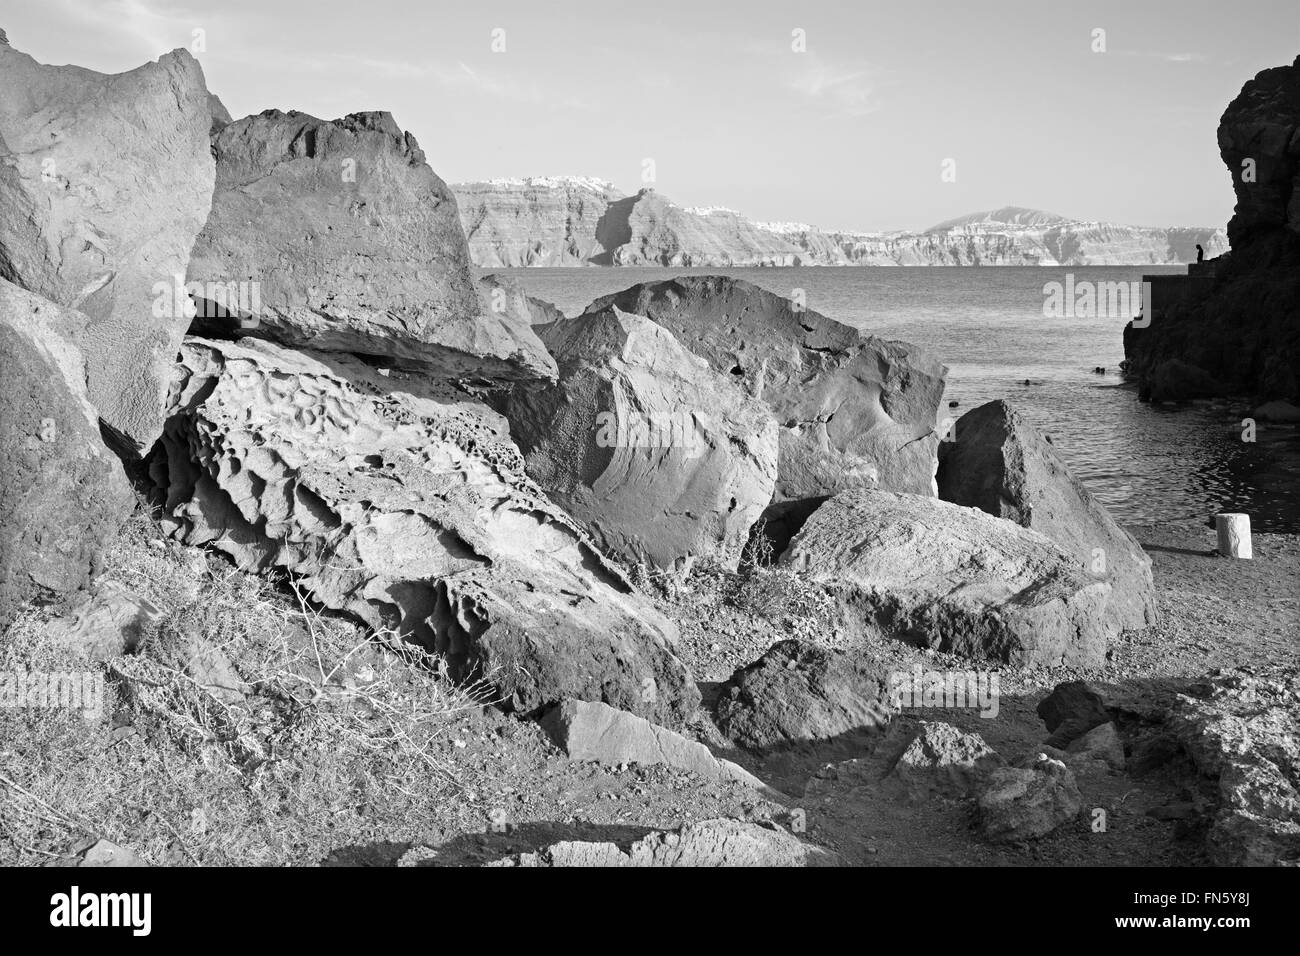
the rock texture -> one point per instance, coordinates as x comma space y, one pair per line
575, 221
1002, 464
104, 183
709, 843
658, 456
798, 692
1243, 731
62, 493
589, 730
338, 236
854, 410
939, 575
1242, 336
1024, 803
944, 760
504, 296
412, 514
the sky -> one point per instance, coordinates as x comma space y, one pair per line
841, 114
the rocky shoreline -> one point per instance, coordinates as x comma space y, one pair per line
362, 560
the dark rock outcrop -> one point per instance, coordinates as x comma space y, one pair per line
1002, 464
956, 579
105, 181
62, 493
658, 456
410, 512
854, 410
337, 236
1243, 335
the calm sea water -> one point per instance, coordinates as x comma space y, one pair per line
1148, 464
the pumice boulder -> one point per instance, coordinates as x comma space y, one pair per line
955, 579
105, 181
337, 236
412, 513
1001, 464
854, 410
658, 456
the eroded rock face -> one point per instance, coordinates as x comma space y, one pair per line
659, 457
854, 410
956, 579
105, 182
338, 236
799, 692
709, 843
1001, 464
62, 493
1244, 731
1262, 126
413, 514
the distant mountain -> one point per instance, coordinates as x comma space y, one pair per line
581, 221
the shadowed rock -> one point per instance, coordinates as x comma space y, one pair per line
956, 579
659, 457
62, 493
799, 692
412, 514
1025, 803
1002, 464
338, 236
105, 182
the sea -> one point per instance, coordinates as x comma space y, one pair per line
1007, 332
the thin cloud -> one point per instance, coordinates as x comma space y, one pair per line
842, 90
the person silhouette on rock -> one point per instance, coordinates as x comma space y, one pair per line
1200, 253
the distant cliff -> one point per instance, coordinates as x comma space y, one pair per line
571, 221
1242, 336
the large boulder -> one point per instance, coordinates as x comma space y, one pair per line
1002, 464
413, 514
956, 579
62, 493
105, 182
799, 693
854, 410
338, 236
659, 457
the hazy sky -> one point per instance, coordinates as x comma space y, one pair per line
850, 133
